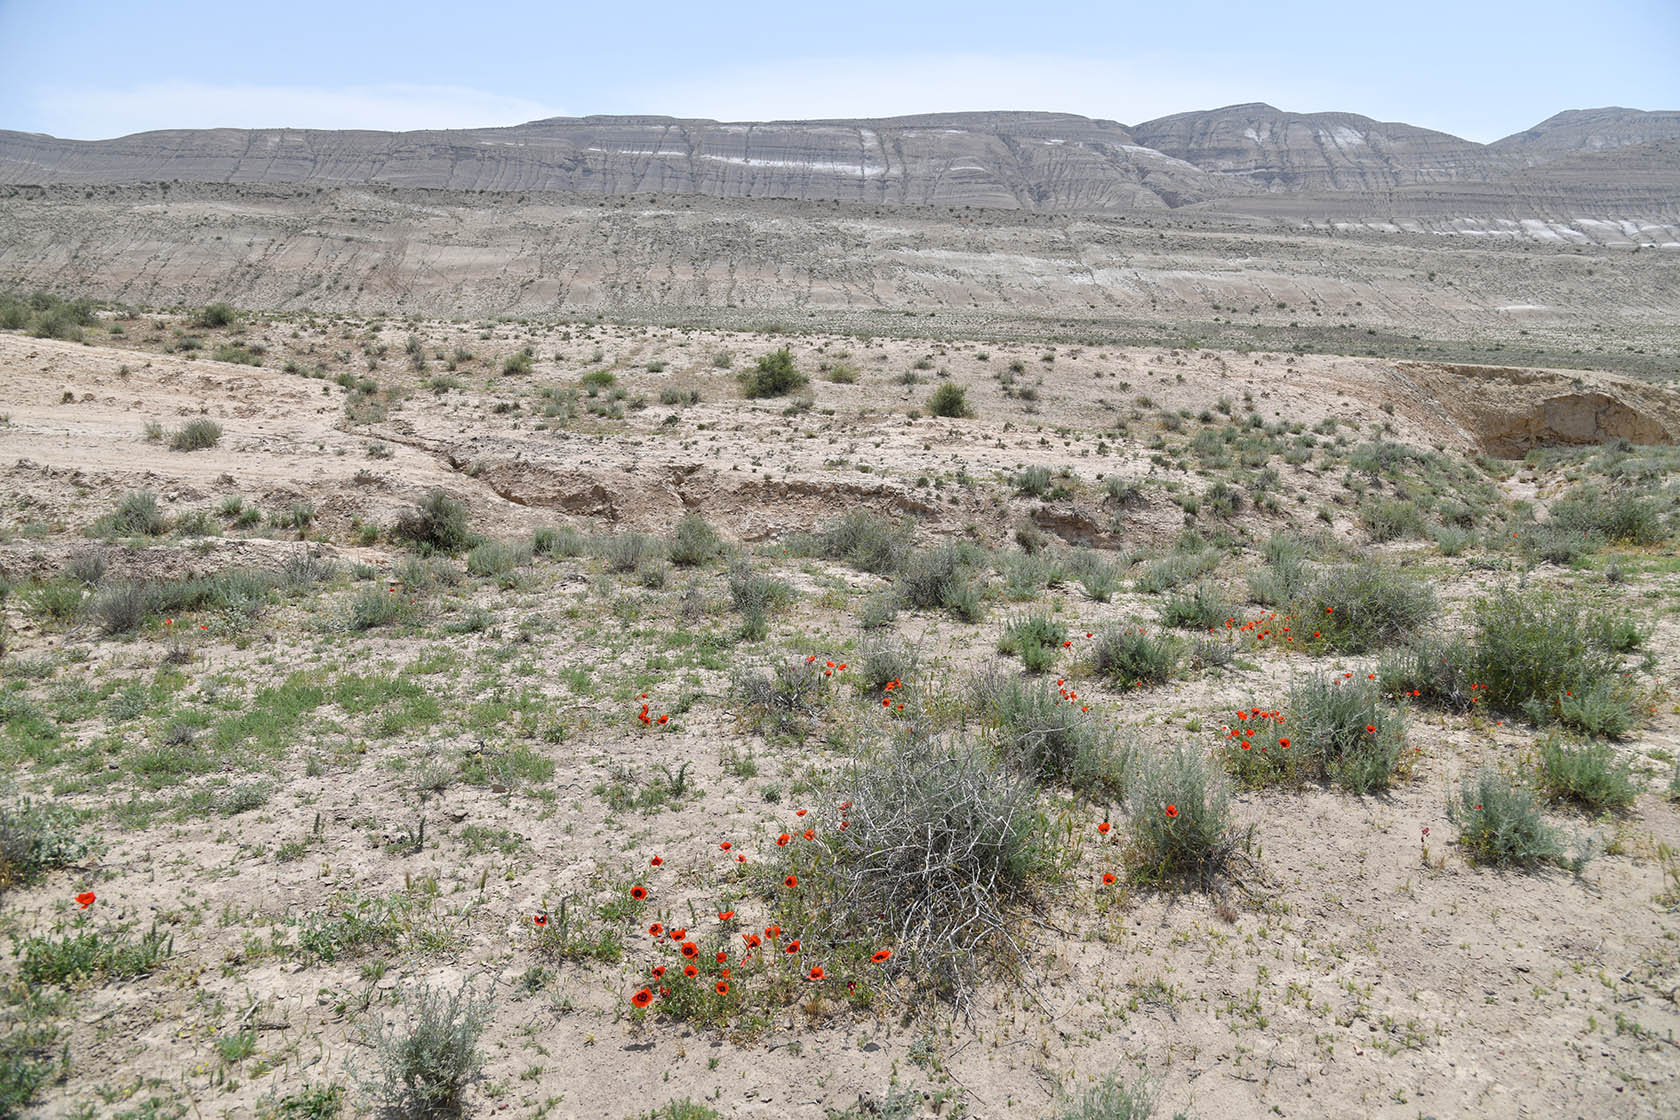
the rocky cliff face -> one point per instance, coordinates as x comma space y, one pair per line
1037, 161
1277, 151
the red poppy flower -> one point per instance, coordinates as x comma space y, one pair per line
1478, 808
881, 956
1104, 827
638, 892
690, 971
722, 956
740, 859
659, 970
1067, 643
642, 998
726, 845
722, 987
657, 861
772, 932
752, 939
664, 719
1108, 878
538, 920
790, 882
842, 666
664, 991
793, 946
1284, 743
679, 934
816, 973
657, 929
86, 898
886, 702
781, 841
723, 972
1247, 746
1371, 728
725, 915
690, 950
801, 812
1172, 812
810, 834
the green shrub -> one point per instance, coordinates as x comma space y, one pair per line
625, 552
879, 611
1098, 577
1178, 568
56, 324
87, 568
1501, 825
89, 954
520, 363
951, 401
137, 515
1036, 638
693, 542
312, 1102
1341, 730
783, 701
1592, 775
1452, 540
1038, 732
1535, 651
494, 558
1110, 1099
243, 798
428, 1055
843, 373
196, 435
58, 600
1366, 606
773, 376
1202, 609
869, 542
1391, 519
215, 315
1130, 656
437, 524
880, 662
936, 578
373, 608
1033, 482
123, 607
559, 541
30, 1059
1624, 517
1179, 814
940, 851
38, 838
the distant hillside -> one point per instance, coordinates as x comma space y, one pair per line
1014, 160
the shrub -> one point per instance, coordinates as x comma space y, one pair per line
1036, 638
1624, 517
1179, 815
879, 611
1033, 482
1131, 657
784, 700
122, 608
37, 838
56, 324
939, 850
866, 541
693, 542
428, 1055
625, 552
137, 515
1452, 540
755, 595
934, 578
1286, 573
951, 401
1501, 825
520, 363
1203, 609
1591, 775
437, 524
373, 608
58, 600
1110, 1099
559, 541
843, 373
1123, 491
494, 558
773, 376
1037, 732
196, 435
1543, 654
106, 954
1098, 578
86, 568
1178, 568
881, 662
243, 798
1330, 738
215, 315
1391, 519
1366, 606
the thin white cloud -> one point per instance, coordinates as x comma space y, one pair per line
91, 114
1129, 89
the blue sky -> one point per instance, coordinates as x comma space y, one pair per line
1477, 68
